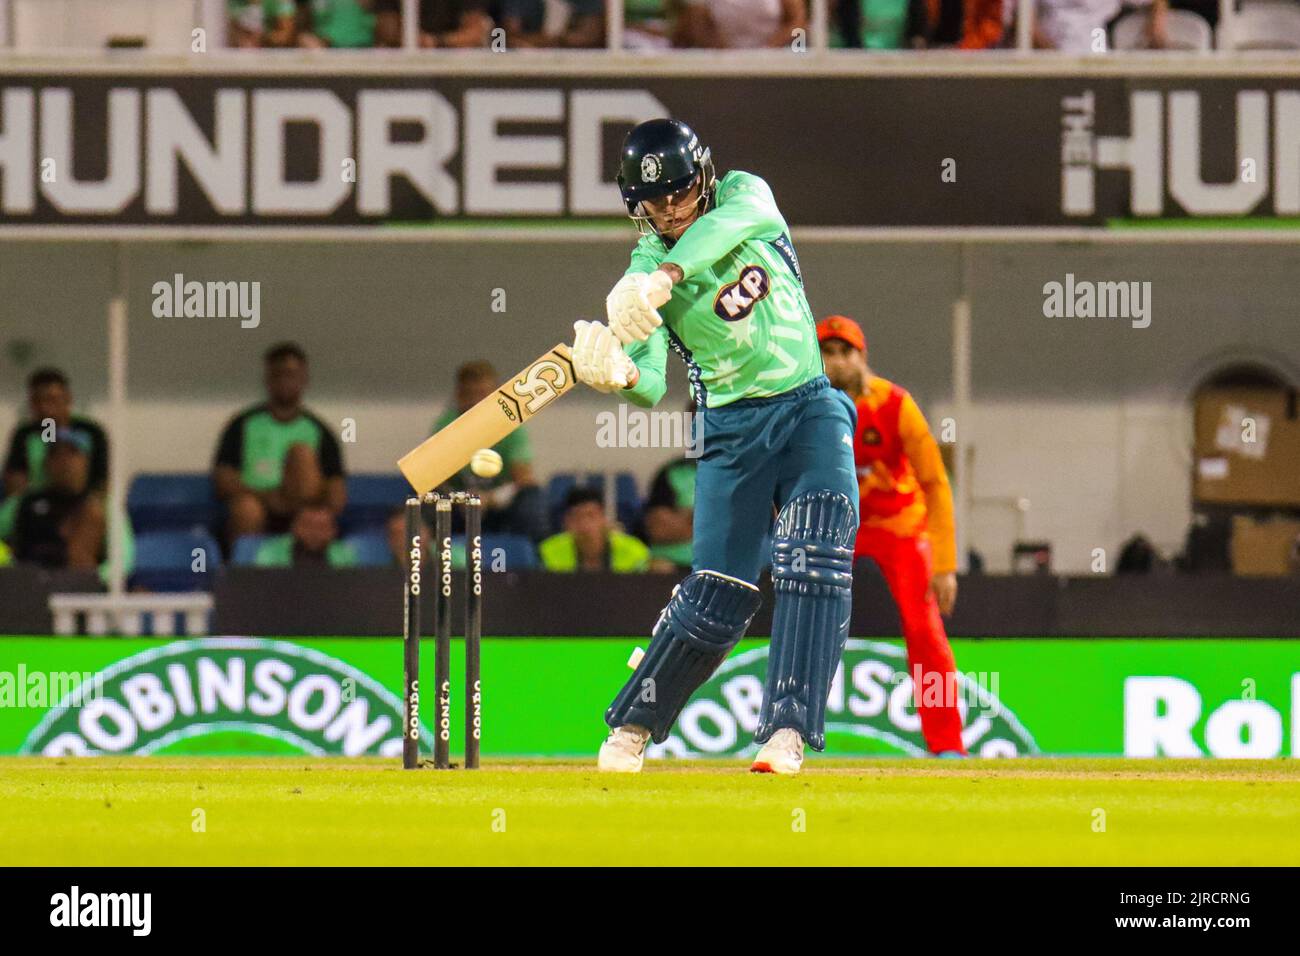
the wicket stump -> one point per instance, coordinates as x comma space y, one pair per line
442, 627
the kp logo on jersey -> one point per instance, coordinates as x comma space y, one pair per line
736, 300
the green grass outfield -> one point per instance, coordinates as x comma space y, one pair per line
307, 811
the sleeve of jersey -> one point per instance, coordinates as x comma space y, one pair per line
923, 452
651, 357
745, 210
16, 460
230, 448
644, 257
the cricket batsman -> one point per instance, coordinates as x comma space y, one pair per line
907, 523
715, 278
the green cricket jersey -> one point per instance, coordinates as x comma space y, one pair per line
345, 24
738, 318
257, 443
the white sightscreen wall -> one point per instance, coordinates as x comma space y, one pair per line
1086, 418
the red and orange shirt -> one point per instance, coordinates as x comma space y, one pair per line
901, 479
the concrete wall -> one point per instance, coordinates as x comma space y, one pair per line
1087, 419
89, 24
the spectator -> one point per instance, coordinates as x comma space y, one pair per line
670, 516
739, 24
983, 24
62, 524
524, 22
670, 513
443, 23
263, 23
964, 24
1137, 556
398, 546
870, 24
277, 458
1157, 32
341, 24
49, 401
513, 502
311, 542
648, 24
588, 541
1072, 26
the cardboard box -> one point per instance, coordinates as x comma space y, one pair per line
1247, 449
1263, 548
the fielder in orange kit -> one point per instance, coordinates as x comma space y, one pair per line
906, 525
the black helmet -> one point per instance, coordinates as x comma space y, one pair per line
661, 157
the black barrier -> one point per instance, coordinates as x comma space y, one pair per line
363, 602
368, 602
838, 151
25, 596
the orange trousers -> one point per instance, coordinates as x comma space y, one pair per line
906, 564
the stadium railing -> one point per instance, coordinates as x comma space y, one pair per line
211, 16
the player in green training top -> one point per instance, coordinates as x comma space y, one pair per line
715, 278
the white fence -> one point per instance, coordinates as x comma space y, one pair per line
166, 27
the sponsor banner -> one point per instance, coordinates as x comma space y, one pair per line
546, 697
839, 151
870, 709
295, 698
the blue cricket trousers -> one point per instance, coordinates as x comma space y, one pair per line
759, 453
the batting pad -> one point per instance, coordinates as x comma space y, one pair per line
707, 614
812, 571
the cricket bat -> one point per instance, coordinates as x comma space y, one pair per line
436, 459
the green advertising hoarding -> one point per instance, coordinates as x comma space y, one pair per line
546, 697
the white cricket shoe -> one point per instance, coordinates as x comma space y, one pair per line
623, 750
782, 754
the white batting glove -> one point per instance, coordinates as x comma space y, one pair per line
599, 360
633, 303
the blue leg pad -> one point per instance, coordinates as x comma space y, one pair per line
812, 570
707, 615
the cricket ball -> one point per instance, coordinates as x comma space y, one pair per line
486, 463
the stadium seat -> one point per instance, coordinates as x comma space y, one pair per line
245, 549
371, 498
558, 488
1184, 30
1262, 26
627, 500
167, 501
164, 560
371, 548
516, 550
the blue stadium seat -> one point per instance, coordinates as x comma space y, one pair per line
371, 548
516, 549
166, 501
164, 560
627, 500
245, 549
558, 488
371, 498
